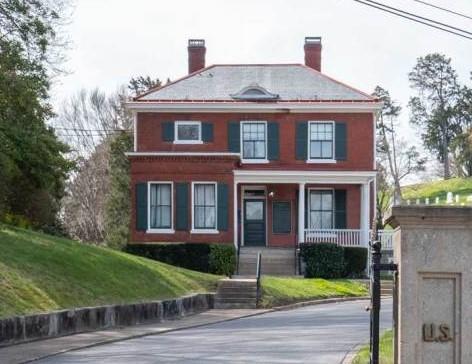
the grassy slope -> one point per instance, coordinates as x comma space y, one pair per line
459, 186
278, 290
39, 273
386, 351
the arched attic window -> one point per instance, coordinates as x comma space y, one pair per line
254, 92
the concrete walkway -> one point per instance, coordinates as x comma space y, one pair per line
43, 348
321, 334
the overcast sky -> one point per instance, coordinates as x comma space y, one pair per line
113, 40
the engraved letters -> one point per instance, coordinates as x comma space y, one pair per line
440, 333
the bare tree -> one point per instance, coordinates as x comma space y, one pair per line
400, 158
87, 122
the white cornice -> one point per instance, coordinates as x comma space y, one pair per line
181, 154
272, 107
331, 177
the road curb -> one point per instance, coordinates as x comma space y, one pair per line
352, 354
263, 311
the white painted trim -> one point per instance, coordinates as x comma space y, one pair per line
317, 177
321, 161
239, 107
160, 231
235, 215
241, 141
315, 160
163, 230
255, 161
301, 213
135, 131
183, 154
204, 231
192, 123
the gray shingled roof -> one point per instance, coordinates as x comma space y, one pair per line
290, 82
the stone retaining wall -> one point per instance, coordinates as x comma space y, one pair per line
58, 323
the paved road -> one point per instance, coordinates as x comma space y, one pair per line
316, 334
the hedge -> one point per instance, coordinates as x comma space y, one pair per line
355, 261
328, 260
207, 258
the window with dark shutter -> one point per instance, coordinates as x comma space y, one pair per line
340, 209
340, 141
168, 131
207, 132
181, 204
234, 137
141, 206
301, 140
272, 141
281, 217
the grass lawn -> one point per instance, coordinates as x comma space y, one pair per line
278, 291
40, 273
458, 186
386, 350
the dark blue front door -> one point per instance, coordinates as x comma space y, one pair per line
254, 223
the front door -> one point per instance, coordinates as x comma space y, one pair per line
254, 223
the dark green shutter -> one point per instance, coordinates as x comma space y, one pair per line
181, 204
222, 206
340, 209
281, 218
340, 143
234, 143
141, 206
272, 141
168, 131
207, 132
301, 141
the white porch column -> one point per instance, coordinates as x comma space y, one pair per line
301, 213
365, 213
235, 215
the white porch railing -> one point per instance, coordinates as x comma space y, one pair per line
346, 237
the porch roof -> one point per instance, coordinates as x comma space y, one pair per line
331, 177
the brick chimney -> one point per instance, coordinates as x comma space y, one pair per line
196, 54
313, 52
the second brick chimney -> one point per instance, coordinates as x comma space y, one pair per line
313, 52
196, 54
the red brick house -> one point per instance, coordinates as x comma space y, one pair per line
253, 154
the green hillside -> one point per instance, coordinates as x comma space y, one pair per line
458, 186
39, 273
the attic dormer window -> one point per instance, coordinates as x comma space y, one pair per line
254, 92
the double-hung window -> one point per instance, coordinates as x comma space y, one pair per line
160, 206
188, 132
254, 141
321, 141
321, 205
204, 206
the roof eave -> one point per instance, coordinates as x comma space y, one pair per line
208, 106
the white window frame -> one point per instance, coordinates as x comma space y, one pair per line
157, 230
308, 208
251, 160
181, 123
319, 160
204, 231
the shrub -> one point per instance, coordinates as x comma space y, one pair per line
208, 258
355, 261
222, 259
323, 260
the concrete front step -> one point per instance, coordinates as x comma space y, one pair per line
236, 293
275, 261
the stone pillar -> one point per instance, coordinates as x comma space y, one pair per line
301, 213
365, 213
433, 250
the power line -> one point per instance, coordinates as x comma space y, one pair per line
418, 16
98, 130
414, 19
444, 9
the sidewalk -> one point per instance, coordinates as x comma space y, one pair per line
34, 350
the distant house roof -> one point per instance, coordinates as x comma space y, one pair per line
284, 82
